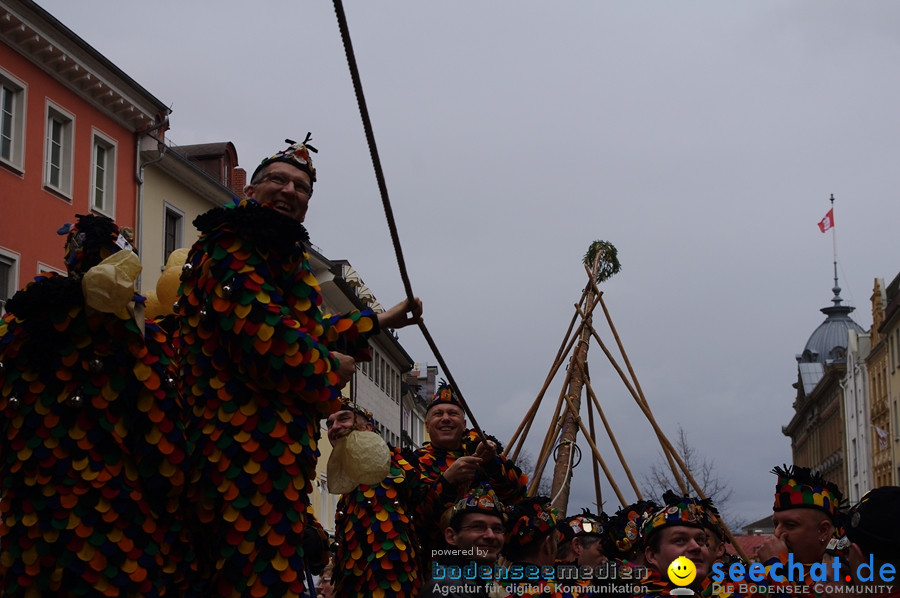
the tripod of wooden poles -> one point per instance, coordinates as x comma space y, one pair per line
560, 438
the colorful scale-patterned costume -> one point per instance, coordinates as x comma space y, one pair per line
93, 456
378, 550
507, 480
530, 523
258, 375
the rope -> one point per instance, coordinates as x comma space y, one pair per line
569, 466
388, 211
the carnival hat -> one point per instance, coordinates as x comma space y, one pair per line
678, 510
582, 524
444, 396
529, 520
624, 527
91, 240
711, 519
349, 405
799, 487
296, 154
874, 523
480, 499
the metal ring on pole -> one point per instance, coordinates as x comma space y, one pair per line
572, 446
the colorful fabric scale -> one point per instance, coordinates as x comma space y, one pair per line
93, 453
258, 375
506, 479
377, 543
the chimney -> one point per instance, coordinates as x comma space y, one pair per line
238, 182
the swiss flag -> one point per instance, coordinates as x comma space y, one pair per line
827, 222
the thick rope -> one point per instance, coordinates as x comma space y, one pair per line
388, 211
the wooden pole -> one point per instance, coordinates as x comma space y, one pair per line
562, 473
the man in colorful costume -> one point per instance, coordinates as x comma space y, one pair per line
530, 547
580, 539
678, 529
93, 454
621, 542
261, 365
474, 537
806, 515
377, 552
458, 456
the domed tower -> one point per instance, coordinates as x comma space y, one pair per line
817, 428
828, 343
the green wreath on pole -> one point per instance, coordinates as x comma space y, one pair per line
608, 259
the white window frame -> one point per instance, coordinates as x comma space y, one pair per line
15, 90
104, 183
10, 259
43, 268
179, 233
66, 142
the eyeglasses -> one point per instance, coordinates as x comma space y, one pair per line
480, 528
276, 178
438, 413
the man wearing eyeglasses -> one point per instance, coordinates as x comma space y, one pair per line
474, 539
261, 364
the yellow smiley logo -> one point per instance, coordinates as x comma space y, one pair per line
682, 571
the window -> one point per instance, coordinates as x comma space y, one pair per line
897, 352
174, 232
12, 120
58, 151
103, 174
8, 276
44, 269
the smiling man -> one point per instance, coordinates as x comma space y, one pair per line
676, 530
474, 540
456, 456
261, 364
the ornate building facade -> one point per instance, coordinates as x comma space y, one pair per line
817, 430
880, 412
889, 332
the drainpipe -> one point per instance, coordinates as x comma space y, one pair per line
139, 175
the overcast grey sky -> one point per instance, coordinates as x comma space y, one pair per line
703, 139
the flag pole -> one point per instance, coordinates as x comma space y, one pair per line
834, 240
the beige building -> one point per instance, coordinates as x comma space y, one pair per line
178, 183
876, 365
889, 331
